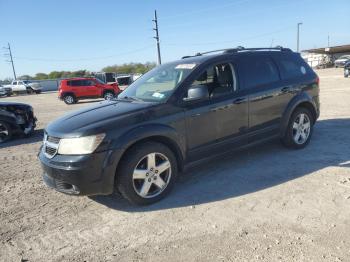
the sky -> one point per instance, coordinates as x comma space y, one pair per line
48, 35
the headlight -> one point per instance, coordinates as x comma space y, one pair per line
80, 146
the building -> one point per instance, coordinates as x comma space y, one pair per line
325, 56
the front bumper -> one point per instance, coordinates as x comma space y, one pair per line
81, 175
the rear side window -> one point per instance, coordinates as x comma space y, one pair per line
76, 83
259, 70
291, 67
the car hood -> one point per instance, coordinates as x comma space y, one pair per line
89, 119
14, 104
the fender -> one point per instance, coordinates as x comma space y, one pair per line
303, 97
169, 134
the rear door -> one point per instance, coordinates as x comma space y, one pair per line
77, 87
267, 95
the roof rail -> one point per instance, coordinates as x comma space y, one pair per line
241, 49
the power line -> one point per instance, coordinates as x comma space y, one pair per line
284, 29
155, 20
83, 59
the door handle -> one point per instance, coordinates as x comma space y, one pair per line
239, 101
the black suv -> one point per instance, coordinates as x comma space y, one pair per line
178, 114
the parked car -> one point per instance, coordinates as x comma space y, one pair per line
347, 69
177, 115
125, 80
341, 61
16, 119
19, 86
74, 89
5, 91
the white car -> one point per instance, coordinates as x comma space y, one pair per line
341, 61
18, 86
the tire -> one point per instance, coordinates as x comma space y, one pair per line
108, 95
69, 99
149, 184
37, 92
305, 130
5, 132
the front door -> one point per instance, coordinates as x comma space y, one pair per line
215, 125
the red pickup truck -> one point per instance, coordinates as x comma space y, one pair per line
73, 89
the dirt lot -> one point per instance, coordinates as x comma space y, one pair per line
263, 204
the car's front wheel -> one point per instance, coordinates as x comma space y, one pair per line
299, 130
147, 173
5, 132
108, 95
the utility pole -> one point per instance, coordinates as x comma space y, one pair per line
298, 36
155, 20
11, 59
328, 41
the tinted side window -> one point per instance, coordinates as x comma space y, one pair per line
76, 83
89, 83
291, 68
259, 70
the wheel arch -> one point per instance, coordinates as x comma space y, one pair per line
68, 93
302, 100
108, 91
152, 133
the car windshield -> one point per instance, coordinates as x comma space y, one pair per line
345, 57
158, 84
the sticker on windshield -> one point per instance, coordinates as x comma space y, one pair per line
185, 66
158, 95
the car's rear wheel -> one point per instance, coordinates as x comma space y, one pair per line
69, 99
108, 95
299, 130
5, 132
147, 173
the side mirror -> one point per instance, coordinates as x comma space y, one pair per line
195, 93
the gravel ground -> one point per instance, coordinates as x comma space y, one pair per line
263, 204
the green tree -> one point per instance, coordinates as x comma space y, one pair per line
40, 76
130, 68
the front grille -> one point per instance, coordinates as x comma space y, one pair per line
50, 151
50, 146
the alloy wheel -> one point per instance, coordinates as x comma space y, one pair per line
151, 175
108, 96
69, 99
301, 128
